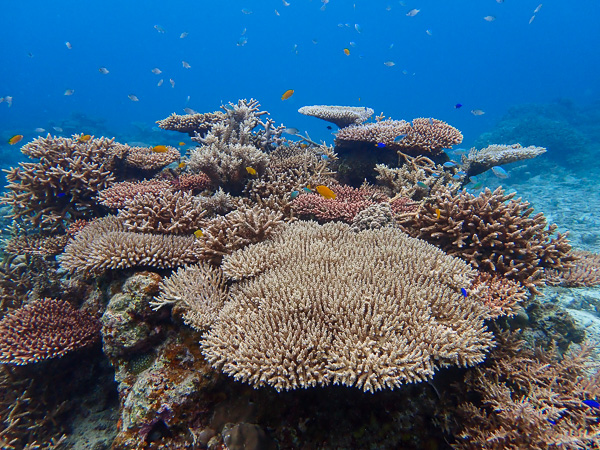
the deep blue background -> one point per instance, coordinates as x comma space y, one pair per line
483, 65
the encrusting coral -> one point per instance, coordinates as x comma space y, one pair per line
45, 329
479, 161
342, 116
494, 232
198, 290
105, 244
319, 305
59, 183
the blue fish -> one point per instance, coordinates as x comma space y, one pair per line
324, 157
294, 194
380, 144
553, 422
591, 403
456, 176
463, 292
449, 164
458, 105
60, 194
399, 138
305, 189
422, 185
499, 172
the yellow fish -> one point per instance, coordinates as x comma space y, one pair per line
325, 191
181, 165
16, 138
346, 52
160, 149
181, 143
251, 170
198, 233
84, 138
438, 213
287, 94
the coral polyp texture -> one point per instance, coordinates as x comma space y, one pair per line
494, 232
145, 158
319, 305
45, 329
192, 124
105, 244
115, 196
342, 116
584, 273
421, 137
59, 182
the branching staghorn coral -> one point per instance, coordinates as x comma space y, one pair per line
59, 183
584, 273
115, 196
104, 244
166, 212
37, 245
530, 400
500, 295
494, 232
342, 116
239, 228
192, 124
197, 290
319, 305
479, 161
45, 329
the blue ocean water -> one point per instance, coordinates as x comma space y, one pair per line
487, 65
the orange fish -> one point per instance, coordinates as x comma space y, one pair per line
16, 138
181, 165
181, 143
84, 138
325, 191
287, 94
251, 170
438, 213
346, 52
160, 149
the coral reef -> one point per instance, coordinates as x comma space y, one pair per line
45, 329
60, 182
37, 245
145, 158
500, 295
341, 316
104, 244
494, 232
192, 124
479, 161
342, 116
584, 273
115, 196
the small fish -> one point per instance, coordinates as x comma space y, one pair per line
456, 176
84, 138
243, 40
160, 149
198, 233
15, 139
68, 44
500, 172
69, 92
429, 33
277, 13
499, 1
59, 129
190, 111
183, 35
358, 28
60, 194
438, 213
314, 41
160, 82
461, 173
306, 189
133, 98
186, 65
477, 185
246, 11
39, 130
291, 130
537, 9
285, 3
303, 145
477, 112
449, 164
325, 157
287, 94
187, 99
325, 192
244, 31
347, 51
294, 194
251, 170
430, 121
553, 422
103, 70
30, 54
422, 185
8, 99
464, 292
590, 403
532, 19
352, 44
329, 127
181, 165
380, 145
413, 12
459, 151
159, 29
489, 18
156, 71
181, 143
399, 137
458, 105
172, 81
390, 63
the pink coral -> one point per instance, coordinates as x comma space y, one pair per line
118, 194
